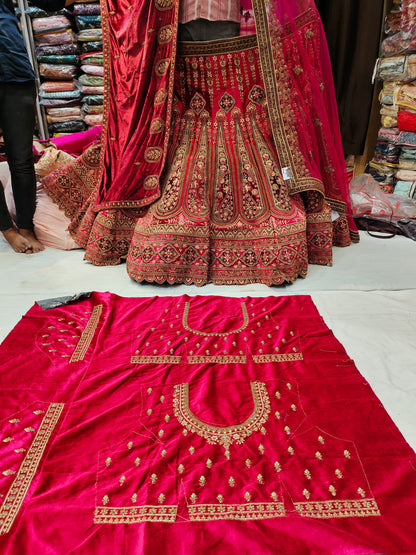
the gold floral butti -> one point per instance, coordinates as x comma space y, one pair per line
224, 436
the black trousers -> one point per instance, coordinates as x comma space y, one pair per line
17, 120
204, 30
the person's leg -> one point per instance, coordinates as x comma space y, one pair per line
17, 118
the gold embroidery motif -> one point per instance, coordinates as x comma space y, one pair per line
134, 498
192, 450
163, 453
130, 445
162, 67
153, 479
318, 455
132, 515
106, 500
87, 335
8, 472
137, 461
231, 482
361, 492
347, 454
193, 498
161, 498
165, 34
14, 421
16, 494
122, 480
225, 436
220, 498
167, 418
8, 439
247, 497
248, 463
151, 182
253, 511
214, 334
209, 463
338, 473
308, 474
338, 509
332, 490
181, 468
261, 448
166, 359
260, 479
220, 359
202, 481
321, 440
277, 467
163, 5
306, 493
156, 127
153, 154
108, 461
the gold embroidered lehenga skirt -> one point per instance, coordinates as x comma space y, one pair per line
225, 214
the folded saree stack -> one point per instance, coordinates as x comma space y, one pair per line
394, 161
56, 51
91, 79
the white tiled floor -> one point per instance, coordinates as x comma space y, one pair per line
368, 298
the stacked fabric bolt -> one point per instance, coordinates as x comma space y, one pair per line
88, 21
56, 51
394, 159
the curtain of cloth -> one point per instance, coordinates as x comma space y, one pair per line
353, 33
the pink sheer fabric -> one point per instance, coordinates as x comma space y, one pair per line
195, 425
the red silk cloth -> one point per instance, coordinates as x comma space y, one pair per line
140, 54
195, 425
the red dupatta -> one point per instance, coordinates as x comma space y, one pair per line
140, 48
139, 43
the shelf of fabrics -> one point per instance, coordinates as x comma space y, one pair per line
70, 63
58, 63
91, 79
394, 162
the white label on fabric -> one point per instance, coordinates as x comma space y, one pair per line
287, 173
375, 71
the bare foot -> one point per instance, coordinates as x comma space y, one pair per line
18, 242
30, 236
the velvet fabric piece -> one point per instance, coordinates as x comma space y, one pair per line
195, 425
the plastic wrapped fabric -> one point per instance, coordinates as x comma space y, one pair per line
66, 127
406, 175
87, 9
88, 22
59, 102
53, 50
95, 46
66, 59
91, 80
64, 95
51, 159
406, 97
87, 109
93, 100
60, 119
51, 23
368, 199
64, 111
399, 68
86, 89
90, 35
390, 135
58, 37
406, 121
406, 189
93, 119
34, 12
92, 70
96, 59
57, 71
57, 86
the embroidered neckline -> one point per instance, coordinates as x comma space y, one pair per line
228, 435
215, 334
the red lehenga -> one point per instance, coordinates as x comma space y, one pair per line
222, 160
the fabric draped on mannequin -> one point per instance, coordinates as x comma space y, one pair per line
235, 147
